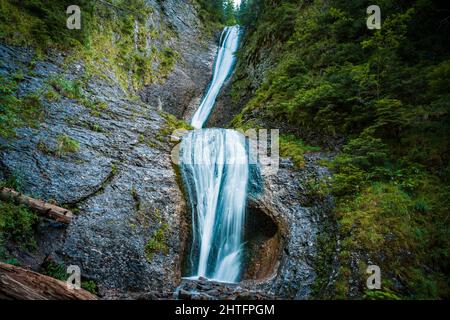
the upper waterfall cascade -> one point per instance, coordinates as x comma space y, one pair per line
224, 64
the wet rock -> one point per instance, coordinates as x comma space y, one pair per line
184, 295
213, 292
246, 296
297, 214
210, 290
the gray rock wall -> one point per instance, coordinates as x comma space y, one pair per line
120, 183
181, 94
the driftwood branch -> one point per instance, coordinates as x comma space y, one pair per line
20, 284
40, 207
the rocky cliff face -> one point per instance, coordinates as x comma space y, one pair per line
128, 234
295, 214
181, 93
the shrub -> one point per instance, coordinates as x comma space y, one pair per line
16, 224
157, 243
69, 88
90, 286
54, 270
292, 147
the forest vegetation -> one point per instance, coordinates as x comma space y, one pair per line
386, 93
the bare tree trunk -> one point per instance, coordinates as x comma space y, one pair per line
40, 207
20, 284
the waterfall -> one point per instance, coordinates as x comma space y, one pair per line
214, 166
214, 163
223, 67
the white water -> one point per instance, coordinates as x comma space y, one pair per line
214, 165
224, 64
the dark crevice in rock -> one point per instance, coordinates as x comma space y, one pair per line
113, 173
136, 198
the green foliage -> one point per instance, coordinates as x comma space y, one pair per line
229, 16
157, 243
172, 125
13, 181
292, 147
90, 286
167, 59
363, 159
386, 91
15, 112
58, 271
379, 211
54, 270
71, 89
211, 13
7, 259
42, 23
51, 95
380, 295
66, 144
96, 106
16, 224
120, 43
112, 37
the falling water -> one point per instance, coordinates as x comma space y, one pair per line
224, 64
214, 165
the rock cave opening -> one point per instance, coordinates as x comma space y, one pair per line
263, 242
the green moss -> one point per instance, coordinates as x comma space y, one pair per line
41, 24
15, 112
42, 147
380, 295
51, 95
172, 124
18, 75
113, 48
167, 59
157, 243
383, 221
71, 89
317, 189
66, 144
105, 41
96, 107
292, 147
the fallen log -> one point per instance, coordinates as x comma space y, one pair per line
40, 207
20, 284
